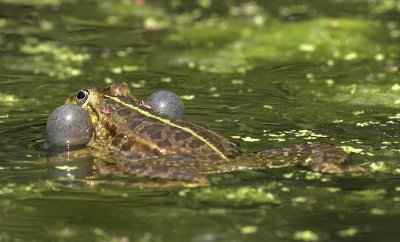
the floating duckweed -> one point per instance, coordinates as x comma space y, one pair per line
237, 82
248, 229
351, 56
313, 175
259, 20
288, 175
397, 116
379, 57
242, 69
266, 106
377, 211
368, 123
29, 190
108, 80
188, 97
166, 79
151, 23
306, 235
212, 89
8, 100
277, 135
326, 179
3, 22
350, 149
333, 189
296, 200
250, 139
60, 53
358, 112
52, 59
139, 84
307, 47
243, 195
235, 137
329, 82
396, 87
116, 70
349, 232
184, 192
378, 166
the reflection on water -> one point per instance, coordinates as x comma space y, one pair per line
68, 162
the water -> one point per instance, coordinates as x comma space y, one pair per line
284, 72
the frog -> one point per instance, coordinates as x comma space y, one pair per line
132, 138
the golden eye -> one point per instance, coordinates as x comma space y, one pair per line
82, 96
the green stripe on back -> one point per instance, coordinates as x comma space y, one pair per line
168, 122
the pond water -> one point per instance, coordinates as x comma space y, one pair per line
265, 74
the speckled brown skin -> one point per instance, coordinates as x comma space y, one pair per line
118, 90
140, 141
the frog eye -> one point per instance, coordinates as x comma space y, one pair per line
82, 96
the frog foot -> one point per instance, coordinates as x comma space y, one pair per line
328, 159
318, 157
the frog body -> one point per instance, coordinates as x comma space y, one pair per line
142, 142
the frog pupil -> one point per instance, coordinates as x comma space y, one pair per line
81, 95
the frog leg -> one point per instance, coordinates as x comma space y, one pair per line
169, 167
318, 157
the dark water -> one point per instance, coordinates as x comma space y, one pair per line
283, 72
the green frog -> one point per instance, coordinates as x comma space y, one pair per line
135, 139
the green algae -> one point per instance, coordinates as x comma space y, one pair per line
27, 191
52, 59
238, 197
306, 235
274, 43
